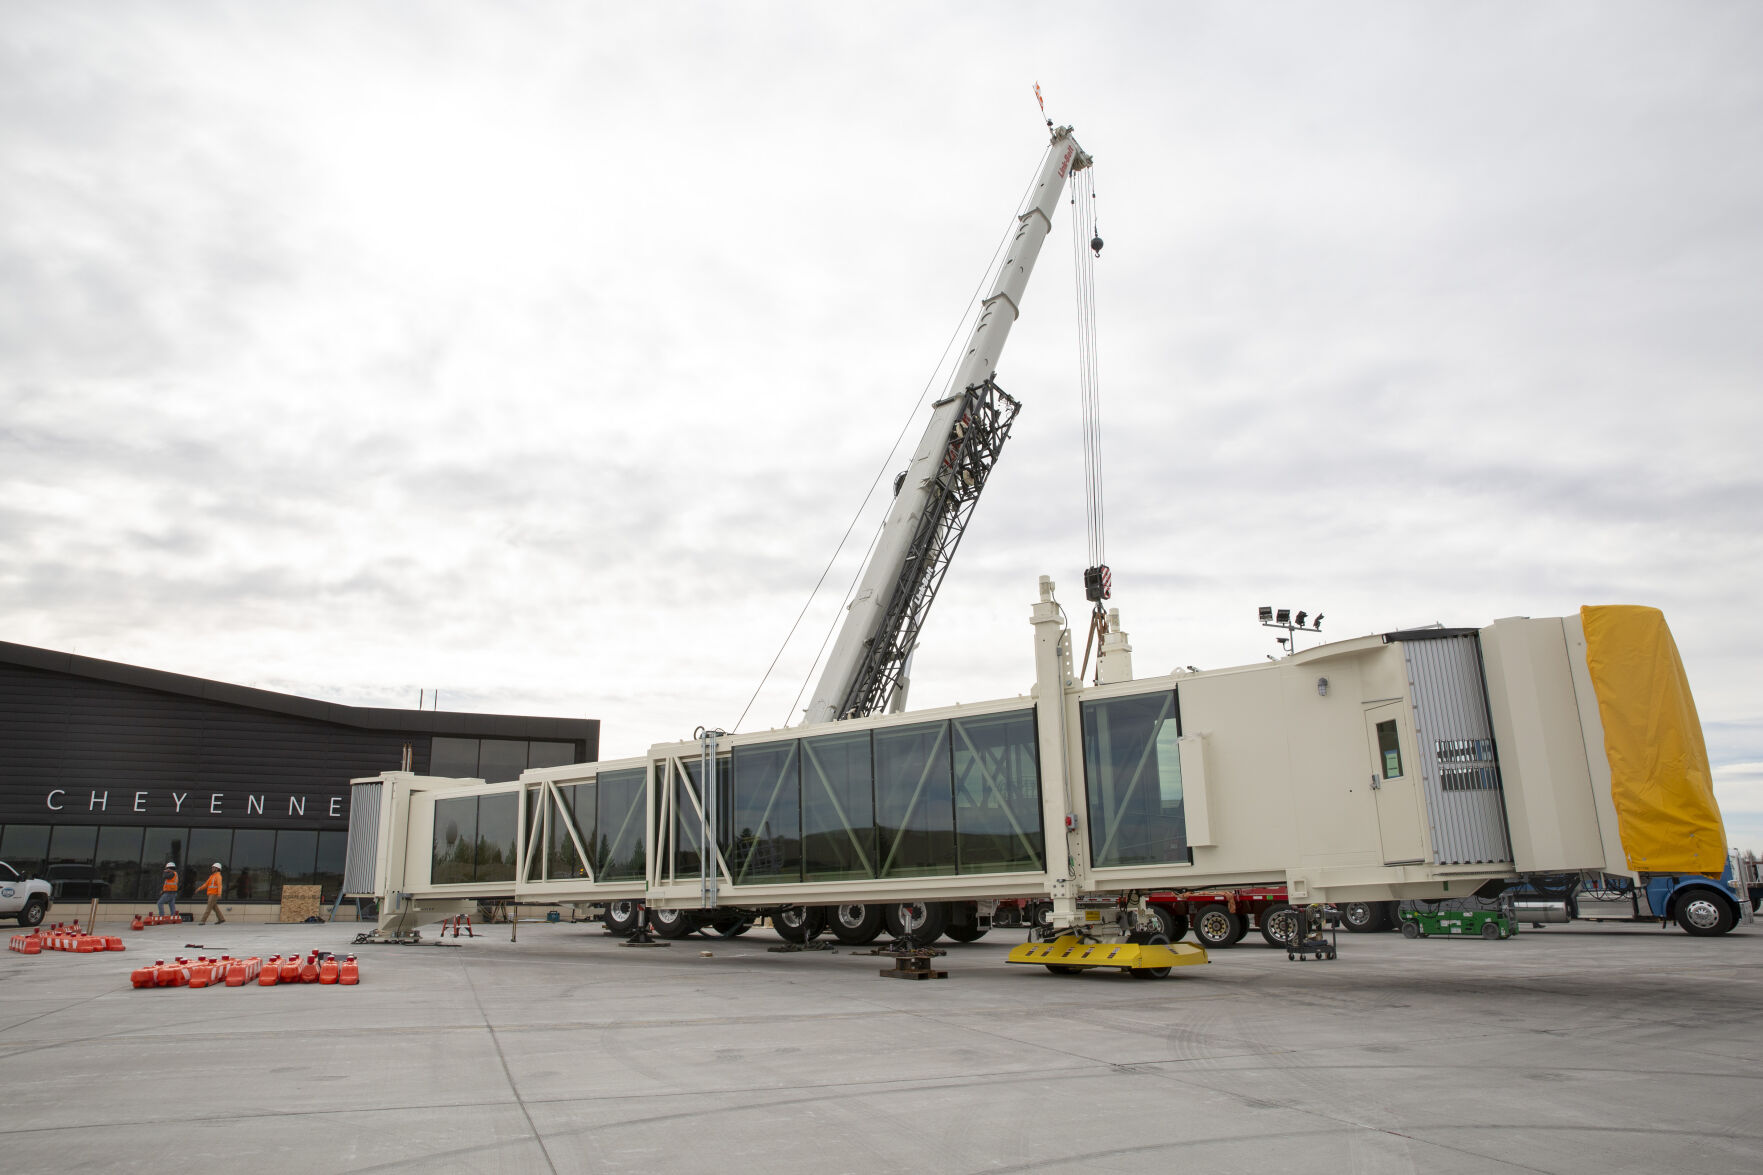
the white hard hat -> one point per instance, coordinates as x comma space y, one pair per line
217, 864
171, 865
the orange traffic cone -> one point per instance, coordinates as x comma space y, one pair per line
327, 970
350, 972
271, 973
136, 924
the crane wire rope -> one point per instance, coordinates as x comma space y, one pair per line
1086, 246
972, 302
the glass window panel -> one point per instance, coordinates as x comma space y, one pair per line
688, 823
208, 845
914, 805
543, 754
500, 760
620, 834
838, 808
161, 845
69, 869
562, 861
25, 847
295, 851
497, 817
1132, 770
455, 835
1389, 747
453, 758
997, 793
118, 862
333, 848
762, 837
252, 868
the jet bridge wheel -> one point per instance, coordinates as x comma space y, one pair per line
799, 923
623, 916
855, 924
1152, 939
673, 923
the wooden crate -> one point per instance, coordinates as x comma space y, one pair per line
300, 902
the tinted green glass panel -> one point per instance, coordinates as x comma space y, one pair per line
497, 820
1389, 747
838, 808
455, 838
619, 837
161, 845
765, 814
333, 849
500, 760
546, 754
249, 870
1132, 769
26, 847
208, 845
118, 862
295, 853
914, 806
562, 862
997, 793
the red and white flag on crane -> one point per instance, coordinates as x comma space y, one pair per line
1041, 100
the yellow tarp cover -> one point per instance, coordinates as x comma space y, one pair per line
1659, 774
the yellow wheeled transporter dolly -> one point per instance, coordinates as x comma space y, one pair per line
1069, 954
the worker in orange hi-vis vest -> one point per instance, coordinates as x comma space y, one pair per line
168, 890
212, 888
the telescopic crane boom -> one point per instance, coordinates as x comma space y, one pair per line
936, 494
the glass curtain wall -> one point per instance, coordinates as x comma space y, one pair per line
838, 808
997, 794
1132, 768
763, 841
914, 800
455, 836
562, 861
620, 843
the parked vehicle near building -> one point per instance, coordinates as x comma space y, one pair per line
24, 898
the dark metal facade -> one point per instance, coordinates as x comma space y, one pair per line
95, 742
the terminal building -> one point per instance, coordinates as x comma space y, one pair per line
108, 771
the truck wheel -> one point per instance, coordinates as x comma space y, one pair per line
673, 923
1040, 916
1702, 913
727, 924
1364, 917
799, 923
923, 920
1279, 926
623, 916
1174, 925
33, 912
963, 923
855, 925
1216, 927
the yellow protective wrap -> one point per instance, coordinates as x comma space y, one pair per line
1659, 774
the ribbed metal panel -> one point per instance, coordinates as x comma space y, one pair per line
1464, 801
364, 838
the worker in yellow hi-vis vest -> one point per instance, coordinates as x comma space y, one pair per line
212, 888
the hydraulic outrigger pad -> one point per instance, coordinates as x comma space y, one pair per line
1068, 953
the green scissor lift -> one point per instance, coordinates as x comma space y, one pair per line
1493, 924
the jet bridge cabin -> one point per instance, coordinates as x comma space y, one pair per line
1406, 765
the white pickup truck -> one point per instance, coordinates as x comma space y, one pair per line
21, 897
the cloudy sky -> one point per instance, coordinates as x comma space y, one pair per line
540, 353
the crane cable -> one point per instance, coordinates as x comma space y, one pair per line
1086, 246
985, 280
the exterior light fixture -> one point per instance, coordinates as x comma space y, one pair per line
1322, 687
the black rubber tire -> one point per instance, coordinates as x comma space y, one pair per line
1491, 930
1364, 917
1062, 969
1040, 915
623, 916
673, 923
1704, 913
968, 933
854, 924
930, 918
1215, 927
35, 910
726, 924
1174, 925
1410, 930
799, 923
1279, 926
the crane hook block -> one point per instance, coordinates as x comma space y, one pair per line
1096, 244
1098, 583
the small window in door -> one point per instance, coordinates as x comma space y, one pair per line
1389, 747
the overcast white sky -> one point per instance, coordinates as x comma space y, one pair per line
539, 353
